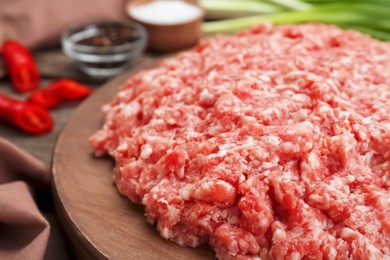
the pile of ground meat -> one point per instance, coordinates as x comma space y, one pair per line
270, 144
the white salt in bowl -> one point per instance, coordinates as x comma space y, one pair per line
171, 24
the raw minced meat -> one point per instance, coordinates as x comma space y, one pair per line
269, 144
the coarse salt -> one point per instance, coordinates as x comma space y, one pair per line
166, 12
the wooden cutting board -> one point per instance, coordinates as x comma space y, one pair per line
100, 223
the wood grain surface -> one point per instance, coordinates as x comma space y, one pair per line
100, 223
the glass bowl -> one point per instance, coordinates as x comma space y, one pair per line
104, 49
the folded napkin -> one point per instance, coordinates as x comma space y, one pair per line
24, 231
39, 23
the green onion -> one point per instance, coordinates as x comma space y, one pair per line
368, 16
282, 18
292, 4
239, 6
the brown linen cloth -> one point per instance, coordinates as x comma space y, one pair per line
24, 231
38, 23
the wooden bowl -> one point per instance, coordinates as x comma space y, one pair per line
170, 37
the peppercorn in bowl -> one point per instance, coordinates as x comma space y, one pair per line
104, 49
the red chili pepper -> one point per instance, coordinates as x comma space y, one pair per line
63, 89
46, 98
21, 66
29, 118
70, 90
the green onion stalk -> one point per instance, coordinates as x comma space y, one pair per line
368, 16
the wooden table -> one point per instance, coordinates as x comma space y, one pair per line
53, 64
